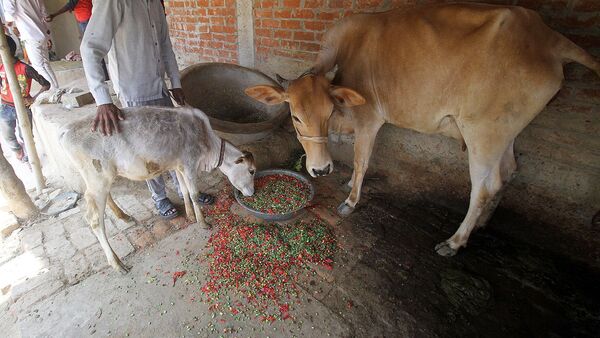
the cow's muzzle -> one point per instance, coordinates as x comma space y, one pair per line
322, 172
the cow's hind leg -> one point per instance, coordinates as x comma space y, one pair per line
363, 148
119, 213
489, 171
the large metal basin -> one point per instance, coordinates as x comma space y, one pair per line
218, 90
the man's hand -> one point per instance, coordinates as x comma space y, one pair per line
28, 101
16, 31
107, 119
178, 96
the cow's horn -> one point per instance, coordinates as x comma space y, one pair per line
330, 75
283, 82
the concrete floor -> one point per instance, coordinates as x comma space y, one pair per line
387, 280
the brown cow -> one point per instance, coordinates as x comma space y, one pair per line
478, 73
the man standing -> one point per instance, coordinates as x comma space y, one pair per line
82, 9
135, 36
28, 16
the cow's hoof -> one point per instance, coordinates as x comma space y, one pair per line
344, 209
205, 225
444, 249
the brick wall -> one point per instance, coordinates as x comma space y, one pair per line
203, 30
292, 29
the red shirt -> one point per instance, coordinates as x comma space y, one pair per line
82, 9
24, 82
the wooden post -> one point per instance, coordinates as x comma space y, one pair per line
13, 190
24, 123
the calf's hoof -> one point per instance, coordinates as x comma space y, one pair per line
444, 249
344, 209
120, 267
205, 225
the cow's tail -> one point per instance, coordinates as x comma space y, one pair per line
570, 52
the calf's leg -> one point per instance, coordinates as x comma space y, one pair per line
119, 213
189, 212
191, 180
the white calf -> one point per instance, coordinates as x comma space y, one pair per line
153, 140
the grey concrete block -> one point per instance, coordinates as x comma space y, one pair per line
83, 238
121, 246
8, 224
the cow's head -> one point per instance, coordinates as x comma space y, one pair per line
312, 100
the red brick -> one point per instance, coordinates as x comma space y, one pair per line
328, 15
302, 14
270, 23
281, 34
291, 3
306, 36
292, 24
314, 3
368, 3
263, 13
314, 25
283, 13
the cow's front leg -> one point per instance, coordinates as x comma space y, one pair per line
363, 148
348, 186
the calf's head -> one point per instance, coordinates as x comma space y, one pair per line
312, 100
239, 168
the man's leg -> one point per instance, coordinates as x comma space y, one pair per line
157, 185
8, 122
38, 56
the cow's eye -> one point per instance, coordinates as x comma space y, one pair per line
296, 119
251, 171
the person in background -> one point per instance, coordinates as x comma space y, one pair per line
139, 53
28, 17
8, 113
82, 10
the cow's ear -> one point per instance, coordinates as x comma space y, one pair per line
267, 94
346, 97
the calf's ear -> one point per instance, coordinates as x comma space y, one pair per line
267, 94
346, 97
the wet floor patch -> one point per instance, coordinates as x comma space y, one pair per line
495, 287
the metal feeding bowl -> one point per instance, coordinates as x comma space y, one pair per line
278, 217
218, 90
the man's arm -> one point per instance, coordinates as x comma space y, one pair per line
10, 11
169, 61
31, 73
106, 18
68, 7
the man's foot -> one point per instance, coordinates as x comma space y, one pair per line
166, 209
204, 199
